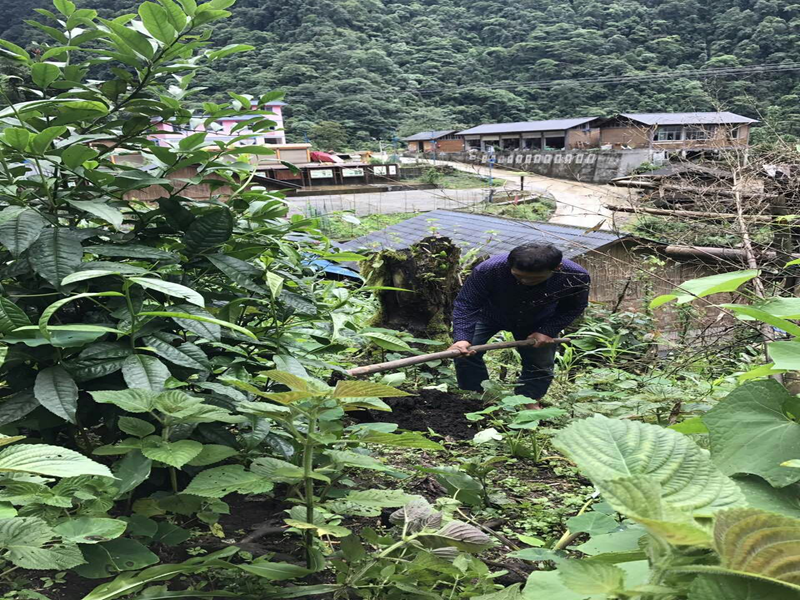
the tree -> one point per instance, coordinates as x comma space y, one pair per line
328, 135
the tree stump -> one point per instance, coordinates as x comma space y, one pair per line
430, 270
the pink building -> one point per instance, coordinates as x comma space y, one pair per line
221, 131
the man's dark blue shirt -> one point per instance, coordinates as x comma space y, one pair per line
492, 295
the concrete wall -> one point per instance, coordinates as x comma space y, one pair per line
596, 166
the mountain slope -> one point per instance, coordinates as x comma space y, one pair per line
385, 66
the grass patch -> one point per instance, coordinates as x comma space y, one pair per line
540, 210
336, 228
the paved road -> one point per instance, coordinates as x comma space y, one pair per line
386, 202
577, 203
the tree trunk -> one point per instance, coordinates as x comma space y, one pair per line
429, 269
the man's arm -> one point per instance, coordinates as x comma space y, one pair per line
468, 304
570, 307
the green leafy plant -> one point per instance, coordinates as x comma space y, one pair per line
518, 429
310, 414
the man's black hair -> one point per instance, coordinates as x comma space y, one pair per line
534, 258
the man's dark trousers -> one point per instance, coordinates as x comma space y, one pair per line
537, 365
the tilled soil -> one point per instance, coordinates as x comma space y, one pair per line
431, 409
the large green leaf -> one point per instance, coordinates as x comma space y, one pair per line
205, 328
101, 210
238, 271
47, 313
11, 316
56, 254
705, 286
127, 38
135, 401
785, 355
272, 571
175, 454
752, 417
111, 558
212, 453
73, 157
760, 494
606, 449
221, 481
43, 74
41, 141
132, 251
24, 539
727, 587
641, 498
17, 137
156, 22
366, 389
409, 439
171, 289
591, 577
175, 14
184, 317
185, 355
90, 530
293, 382
145, 372
387, 341
369, 503
134, 426
131, 471
53, 461
57, 392
753, 542
128, 583
17, 406
21, 230
209, 231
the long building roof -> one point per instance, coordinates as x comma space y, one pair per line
424, 136
527, 126
689, 118
490, 234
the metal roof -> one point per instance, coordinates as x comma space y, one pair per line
526, 126
491, 234
428, 135
688, 118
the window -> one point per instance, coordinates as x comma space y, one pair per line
554, 143
735, 132
671, 133
698, 133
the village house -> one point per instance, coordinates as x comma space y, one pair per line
221, 131
676, 131
657, 132
435, 141
552, 134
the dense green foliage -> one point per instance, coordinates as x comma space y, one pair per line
160, 360
384, 66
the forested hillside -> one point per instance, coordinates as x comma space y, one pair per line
384, 66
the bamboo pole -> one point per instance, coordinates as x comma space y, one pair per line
691, 214
423, 358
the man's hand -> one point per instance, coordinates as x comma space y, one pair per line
463, 347
541, 339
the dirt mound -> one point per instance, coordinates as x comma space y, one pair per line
440, 411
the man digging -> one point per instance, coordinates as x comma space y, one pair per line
534, 293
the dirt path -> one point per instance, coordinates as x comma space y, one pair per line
577, 203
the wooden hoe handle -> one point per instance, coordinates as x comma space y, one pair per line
423, 358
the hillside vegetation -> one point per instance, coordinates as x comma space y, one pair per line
385, 66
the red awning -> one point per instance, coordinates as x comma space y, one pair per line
322, 157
